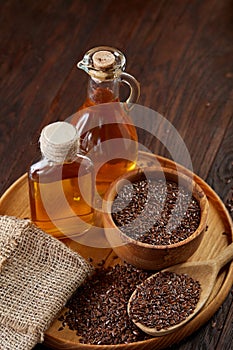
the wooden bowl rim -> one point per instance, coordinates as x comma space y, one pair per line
202, 201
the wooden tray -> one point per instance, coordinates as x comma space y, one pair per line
219, 235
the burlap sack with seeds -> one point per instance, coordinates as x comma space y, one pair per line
37, 276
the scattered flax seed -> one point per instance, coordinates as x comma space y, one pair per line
98, 309
225, 234
229, 205
213, 324
97, 312
101, 263
165, 300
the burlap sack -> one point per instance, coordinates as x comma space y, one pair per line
37, 275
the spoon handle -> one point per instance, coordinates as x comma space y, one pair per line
225, 256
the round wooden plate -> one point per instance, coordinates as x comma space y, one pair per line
219, 234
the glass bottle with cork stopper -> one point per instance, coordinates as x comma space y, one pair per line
105, 128
61, 184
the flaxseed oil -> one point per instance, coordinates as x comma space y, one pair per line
61, 198
61, 184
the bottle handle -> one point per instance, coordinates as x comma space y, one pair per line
133, 85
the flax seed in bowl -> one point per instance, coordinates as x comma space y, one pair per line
154, 217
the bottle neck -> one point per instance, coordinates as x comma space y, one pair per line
59, 142
59, 155
102, 91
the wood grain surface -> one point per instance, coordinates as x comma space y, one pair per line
181, 52
15, 201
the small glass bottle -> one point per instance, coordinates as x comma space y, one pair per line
61, 184
98, 124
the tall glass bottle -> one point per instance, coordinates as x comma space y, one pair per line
104, 125
61, 184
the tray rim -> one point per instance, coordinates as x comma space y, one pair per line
201, 318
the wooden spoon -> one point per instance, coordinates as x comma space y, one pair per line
203, 271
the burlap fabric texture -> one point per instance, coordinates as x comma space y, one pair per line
38, 274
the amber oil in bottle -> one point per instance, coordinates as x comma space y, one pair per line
110, 123
61, 184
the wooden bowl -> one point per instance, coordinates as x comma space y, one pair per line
148, 256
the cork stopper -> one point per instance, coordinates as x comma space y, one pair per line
103, 63
103, 59
59, 142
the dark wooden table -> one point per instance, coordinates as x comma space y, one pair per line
181, 51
